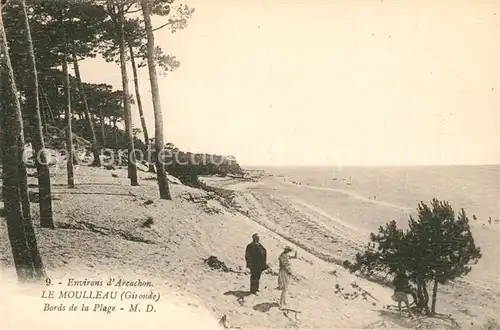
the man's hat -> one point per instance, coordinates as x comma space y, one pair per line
288, 248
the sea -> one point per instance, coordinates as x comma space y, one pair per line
476, 189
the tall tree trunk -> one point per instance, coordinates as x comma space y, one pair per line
22, 173
115, 131
48, 105
12, 201
10, 189
159, 141
23, 182
26, 118
132, 166
103, 131
419, 296
69, 131
27, 259
33, 103
43, 113
139, 106
434, 296
88, 117
426, 297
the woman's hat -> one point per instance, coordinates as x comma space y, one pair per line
288, 248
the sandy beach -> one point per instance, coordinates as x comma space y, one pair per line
99, 232
310, 216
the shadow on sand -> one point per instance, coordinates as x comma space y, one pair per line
241, 295
440, 321
394, 317
90, 193
437, 321
265, 307
95, 184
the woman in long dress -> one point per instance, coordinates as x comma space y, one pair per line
284, 274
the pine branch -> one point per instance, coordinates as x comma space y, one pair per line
134, 11
128, 8
3, 4
162, 26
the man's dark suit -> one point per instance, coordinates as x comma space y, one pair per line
256, 259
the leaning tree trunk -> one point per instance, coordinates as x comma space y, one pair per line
27, 259
159, 142
139, 106
69, 132
12, 201
23, 175
434, 296
10, 189
33, 103
132, 166
88, 117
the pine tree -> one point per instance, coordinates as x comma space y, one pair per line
117, 13
95, 145
67, 88
33, 103
437, 247
27, 259
445, 243
159, 140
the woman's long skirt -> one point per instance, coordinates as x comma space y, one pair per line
283, 279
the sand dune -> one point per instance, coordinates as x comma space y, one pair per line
312, 227
100, 232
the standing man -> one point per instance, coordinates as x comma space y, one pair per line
256, 259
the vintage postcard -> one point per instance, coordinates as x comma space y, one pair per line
249, 164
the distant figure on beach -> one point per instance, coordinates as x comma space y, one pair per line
489, 221
474, 217
284, 273
401, 291
256, 259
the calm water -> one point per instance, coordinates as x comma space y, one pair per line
474, 188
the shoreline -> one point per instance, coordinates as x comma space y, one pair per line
309, 225
99, 231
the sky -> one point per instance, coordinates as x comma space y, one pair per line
365, 82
